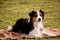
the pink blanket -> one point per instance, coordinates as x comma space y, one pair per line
6, 34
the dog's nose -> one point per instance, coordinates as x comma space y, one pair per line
39, 19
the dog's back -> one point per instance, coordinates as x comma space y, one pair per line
22, 25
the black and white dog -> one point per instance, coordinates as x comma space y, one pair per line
32, 26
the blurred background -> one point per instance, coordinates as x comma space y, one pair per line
11, 10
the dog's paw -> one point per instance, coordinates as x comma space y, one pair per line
9, 28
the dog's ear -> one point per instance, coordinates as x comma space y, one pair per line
31, 13
42, 12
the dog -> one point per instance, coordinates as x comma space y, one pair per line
32, 26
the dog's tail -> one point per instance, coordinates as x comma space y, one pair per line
9, 28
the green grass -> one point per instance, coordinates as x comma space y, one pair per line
11, 10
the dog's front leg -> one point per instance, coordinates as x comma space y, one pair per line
35, 33
48, 33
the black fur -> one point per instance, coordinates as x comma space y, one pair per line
31, 14
22, 25
42, 13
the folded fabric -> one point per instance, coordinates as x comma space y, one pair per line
4, 33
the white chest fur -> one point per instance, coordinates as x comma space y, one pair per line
37, 32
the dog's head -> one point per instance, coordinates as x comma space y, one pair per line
36, 16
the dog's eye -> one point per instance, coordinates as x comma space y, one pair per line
40, 15
35, 16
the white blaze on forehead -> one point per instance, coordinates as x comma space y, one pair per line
38, 12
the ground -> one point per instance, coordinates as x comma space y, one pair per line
11, 10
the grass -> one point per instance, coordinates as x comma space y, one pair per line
11, 10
